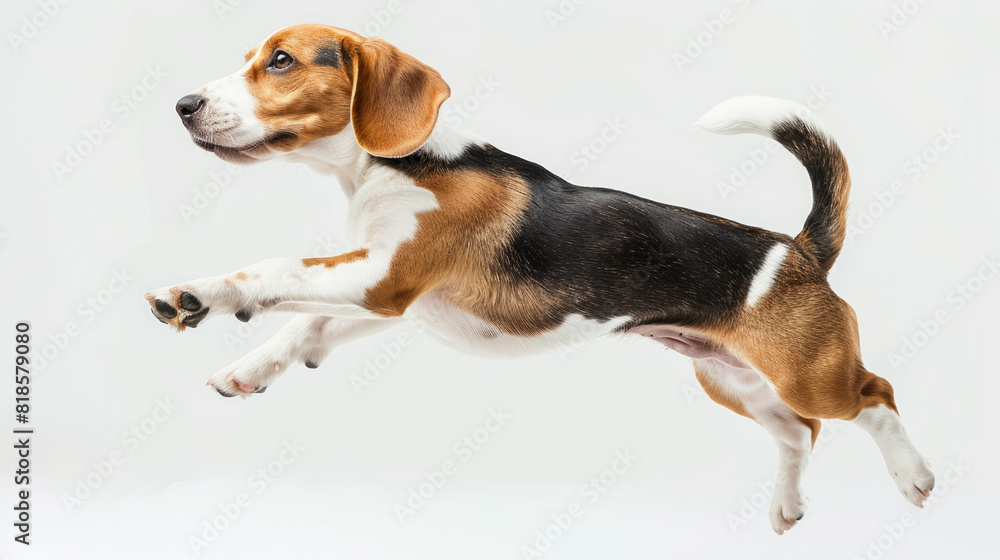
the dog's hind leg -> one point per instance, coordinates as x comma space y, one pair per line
908, 468
804, 341
745, 392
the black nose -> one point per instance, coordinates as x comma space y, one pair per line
189, 105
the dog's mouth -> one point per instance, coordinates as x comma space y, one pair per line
245, 154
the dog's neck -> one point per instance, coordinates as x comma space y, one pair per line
340, 155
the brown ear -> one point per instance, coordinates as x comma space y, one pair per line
395, 100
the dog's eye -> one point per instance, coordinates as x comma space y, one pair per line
281, 60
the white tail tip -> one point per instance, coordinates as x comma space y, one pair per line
753, 114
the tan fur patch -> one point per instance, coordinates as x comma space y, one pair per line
391, 98
456, 249
721, 397
311, 100
736, 405
395, 100
804, 340
330, 262
238, 277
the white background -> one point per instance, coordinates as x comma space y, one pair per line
699, 467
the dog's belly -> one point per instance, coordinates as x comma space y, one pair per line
461, 330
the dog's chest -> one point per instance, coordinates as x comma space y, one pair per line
435, 314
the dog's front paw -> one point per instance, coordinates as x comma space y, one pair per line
251, 374
188, 304
178, 307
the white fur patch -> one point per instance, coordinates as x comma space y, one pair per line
449, 143
338, 155
764, 279
230, 111
461, 330
794, 438
909, 470
754, 115
307, 339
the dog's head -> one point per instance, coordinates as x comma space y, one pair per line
307, 82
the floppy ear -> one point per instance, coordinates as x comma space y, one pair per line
395, 100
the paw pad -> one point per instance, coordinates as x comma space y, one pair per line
177, 308
188, 302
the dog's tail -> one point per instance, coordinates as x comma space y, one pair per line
795, 128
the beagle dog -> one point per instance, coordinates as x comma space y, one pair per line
493, 253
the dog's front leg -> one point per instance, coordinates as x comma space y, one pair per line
306, 338
333, 286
